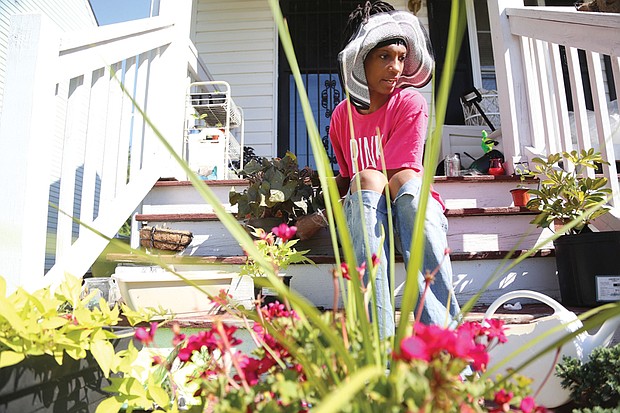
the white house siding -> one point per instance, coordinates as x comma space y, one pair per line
69, 15
237, 41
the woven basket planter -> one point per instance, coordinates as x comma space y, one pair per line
165, 239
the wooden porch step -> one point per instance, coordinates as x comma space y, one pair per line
480, 229
176, 259
450, 212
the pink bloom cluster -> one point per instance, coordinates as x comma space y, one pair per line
211, 339
503, 398
144, 335
465, 343
361, 270
284, 232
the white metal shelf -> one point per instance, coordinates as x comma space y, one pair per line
210, 107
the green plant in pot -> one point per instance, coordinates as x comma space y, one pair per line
521, 194
277, 189
565, 195
585, 258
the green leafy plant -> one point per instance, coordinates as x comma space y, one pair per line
278, 248
277, 188
291, 369
58, 323
595, 382
566, 195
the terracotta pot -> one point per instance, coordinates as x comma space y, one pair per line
520, 196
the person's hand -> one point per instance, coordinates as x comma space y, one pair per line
308, 225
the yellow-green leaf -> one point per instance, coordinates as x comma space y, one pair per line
110, 405
10, 358
103, 351
158, 394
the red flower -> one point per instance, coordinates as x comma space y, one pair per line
502, 399
284, 232
250, 367
146, 337
344, 269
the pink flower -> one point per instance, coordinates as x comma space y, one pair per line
344, 269
528, 405
375, 260
222, 298
361, 270
146, 337
178, 336
284, 232
496, 330
414, 348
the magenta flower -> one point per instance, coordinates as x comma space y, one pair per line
496, 330
414, 348
144, 336
344, 270
528, 405
375, 260
284, 232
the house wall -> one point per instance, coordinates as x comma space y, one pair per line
67, 14
238, 41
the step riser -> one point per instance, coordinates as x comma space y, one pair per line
465, 234
185, 199
315, 283
475, 194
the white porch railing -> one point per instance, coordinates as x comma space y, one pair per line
529, 44
69, 135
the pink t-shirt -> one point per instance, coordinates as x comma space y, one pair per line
402, 123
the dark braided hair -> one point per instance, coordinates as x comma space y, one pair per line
361, 14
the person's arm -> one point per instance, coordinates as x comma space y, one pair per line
343, 184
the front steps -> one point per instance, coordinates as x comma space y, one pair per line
484, 227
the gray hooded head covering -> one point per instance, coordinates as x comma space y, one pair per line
379, 28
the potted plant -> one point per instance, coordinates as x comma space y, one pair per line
278, 191
278, 247
585, 258
520, 194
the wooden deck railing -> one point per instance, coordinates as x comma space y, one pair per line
540, 56
72, 144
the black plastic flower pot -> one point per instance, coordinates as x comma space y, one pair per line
588, 267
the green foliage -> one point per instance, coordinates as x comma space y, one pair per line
279, 252
596, 382
567, 195
58, 323
598, 410
277, 188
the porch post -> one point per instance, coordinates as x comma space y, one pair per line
168, 84
511, 82
25, 147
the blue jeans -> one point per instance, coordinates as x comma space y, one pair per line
440, 305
